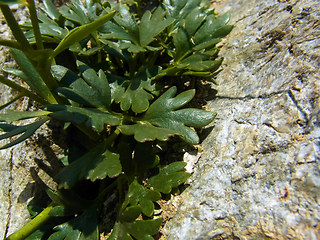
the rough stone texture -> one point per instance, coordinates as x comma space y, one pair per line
259, 175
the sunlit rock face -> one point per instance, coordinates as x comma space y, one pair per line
258, 175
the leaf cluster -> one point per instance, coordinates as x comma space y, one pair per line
111, 72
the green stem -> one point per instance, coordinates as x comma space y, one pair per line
33, 225
14, 26
110, 140
10, 43
88, 132
152, 58
35, 24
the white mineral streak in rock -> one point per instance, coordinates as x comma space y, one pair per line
259, 174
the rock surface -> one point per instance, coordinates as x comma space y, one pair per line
259, 173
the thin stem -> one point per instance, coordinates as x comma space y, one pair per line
35, 24
10, 43
14, 26
88, 132
110, 140
33, 225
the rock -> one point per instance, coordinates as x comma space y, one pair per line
258, 176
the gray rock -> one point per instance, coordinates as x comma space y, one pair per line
259, 174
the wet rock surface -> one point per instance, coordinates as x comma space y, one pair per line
258, 176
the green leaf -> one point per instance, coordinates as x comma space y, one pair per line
180, 9
201, 62
162, 115
169, 177
75, 12
42, 233
152, 24
113, 31
140, 229
211, 25
143, 197
90, 90
34, 210
84, 227
193, 21
208, 44
182, 44
13, 2
109, 165
98, 163
79, 33
135, 93
146, 132
51, 10
60, 211
11, 115
222, 32
93, 118
127, 21
32, 77
26, 131
4, 127
136, 36
129, 214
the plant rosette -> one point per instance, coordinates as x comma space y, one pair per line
114, 75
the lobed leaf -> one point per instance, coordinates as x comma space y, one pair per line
161, 120
146, 132
140, 196
139, 229
98, 163
90, 89
84, 227
135, 93
133, 35
211, 25
93, 118
169, 177
151, 25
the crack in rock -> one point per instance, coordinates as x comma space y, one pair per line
9, 194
